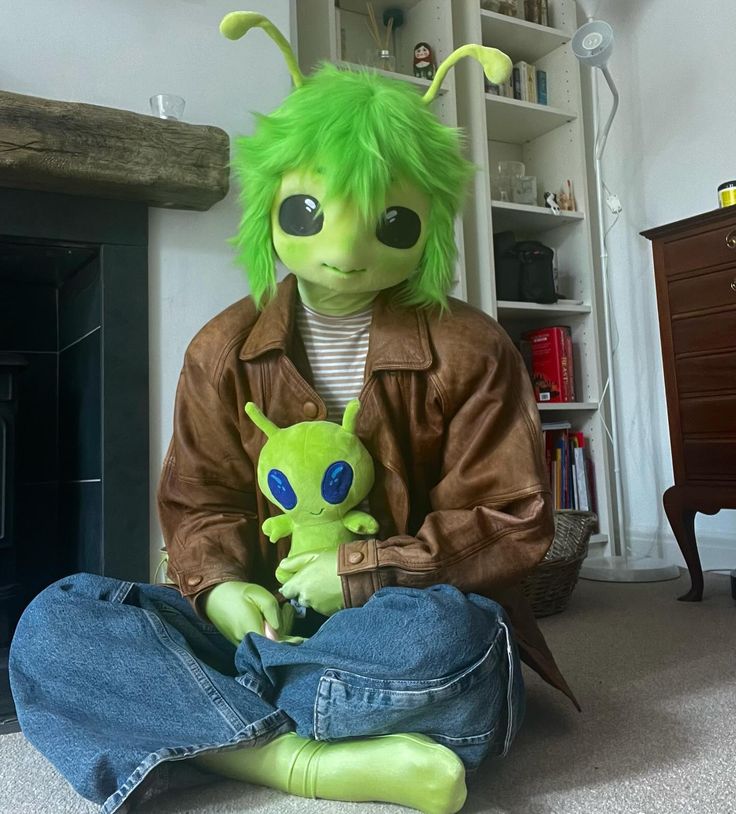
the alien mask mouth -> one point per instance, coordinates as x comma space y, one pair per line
341, 272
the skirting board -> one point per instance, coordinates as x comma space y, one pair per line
717, 552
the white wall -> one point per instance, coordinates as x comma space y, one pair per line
672, 143
118, 54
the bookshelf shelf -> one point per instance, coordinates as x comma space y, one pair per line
509, 309
358, 6
516, 122
423, 84
521, 217
568, 405
518, 38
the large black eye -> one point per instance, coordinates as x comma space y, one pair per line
336, 483
399, 227
299, 215
281, 489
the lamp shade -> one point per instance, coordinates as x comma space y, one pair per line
592, 43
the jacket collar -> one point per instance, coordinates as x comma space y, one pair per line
399, 338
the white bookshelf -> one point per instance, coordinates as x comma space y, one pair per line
549, 139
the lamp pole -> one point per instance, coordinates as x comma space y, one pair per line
592, 44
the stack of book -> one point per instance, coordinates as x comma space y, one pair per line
526, 83
549, 358
570, 469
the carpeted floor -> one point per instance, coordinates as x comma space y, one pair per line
657, 682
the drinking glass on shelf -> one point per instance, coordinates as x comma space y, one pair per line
167, 106
501, 188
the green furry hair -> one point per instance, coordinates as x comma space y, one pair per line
361, 131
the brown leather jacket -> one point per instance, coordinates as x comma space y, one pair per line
448, 414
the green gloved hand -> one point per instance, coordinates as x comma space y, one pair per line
313, 581
238, 608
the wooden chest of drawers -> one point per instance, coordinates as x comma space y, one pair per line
695, 273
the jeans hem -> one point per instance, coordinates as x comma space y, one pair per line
259, 733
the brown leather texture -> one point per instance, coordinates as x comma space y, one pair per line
448, 414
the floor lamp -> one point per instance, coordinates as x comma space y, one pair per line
592, 44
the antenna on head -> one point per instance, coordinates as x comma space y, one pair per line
350, 416
268, 428
238, 23
496, 65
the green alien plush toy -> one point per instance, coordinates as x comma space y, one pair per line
316, 472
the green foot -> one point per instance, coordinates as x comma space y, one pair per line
406, 769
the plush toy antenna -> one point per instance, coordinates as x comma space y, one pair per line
496, 65
238, 23
268, 428
350, 416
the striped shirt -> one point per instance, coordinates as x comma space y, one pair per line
336, 348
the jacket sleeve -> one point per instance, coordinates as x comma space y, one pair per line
492, 517
206, 496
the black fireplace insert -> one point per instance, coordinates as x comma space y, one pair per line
74, 481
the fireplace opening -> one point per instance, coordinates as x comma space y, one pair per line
73, 399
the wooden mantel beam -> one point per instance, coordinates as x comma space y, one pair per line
102, 152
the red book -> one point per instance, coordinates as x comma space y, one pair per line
551, 363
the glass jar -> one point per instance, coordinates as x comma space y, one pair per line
381, 58
524, 189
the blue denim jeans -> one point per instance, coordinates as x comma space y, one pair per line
114, 679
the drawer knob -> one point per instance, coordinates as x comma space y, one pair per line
733, 284
731, 239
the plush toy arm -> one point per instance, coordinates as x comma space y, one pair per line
277, 527
360, 522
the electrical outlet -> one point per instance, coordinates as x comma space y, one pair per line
614, 204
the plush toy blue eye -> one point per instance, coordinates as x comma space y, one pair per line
281, 489
337, 482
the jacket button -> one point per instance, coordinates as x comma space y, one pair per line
355, 558
192, 582
310, 409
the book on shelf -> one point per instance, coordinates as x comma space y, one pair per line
529, 84
549, 355
542, 98
569, 467
516, 79
506, 89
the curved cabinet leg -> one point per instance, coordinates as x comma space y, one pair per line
682, 520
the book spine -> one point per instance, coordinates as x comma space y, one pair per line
582, 480
524, 89
531, 83
508, 87
569, 366
563, 361
542, 87
516, 76
550, 370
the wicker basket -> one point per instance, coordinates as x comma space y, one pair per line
550, 585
